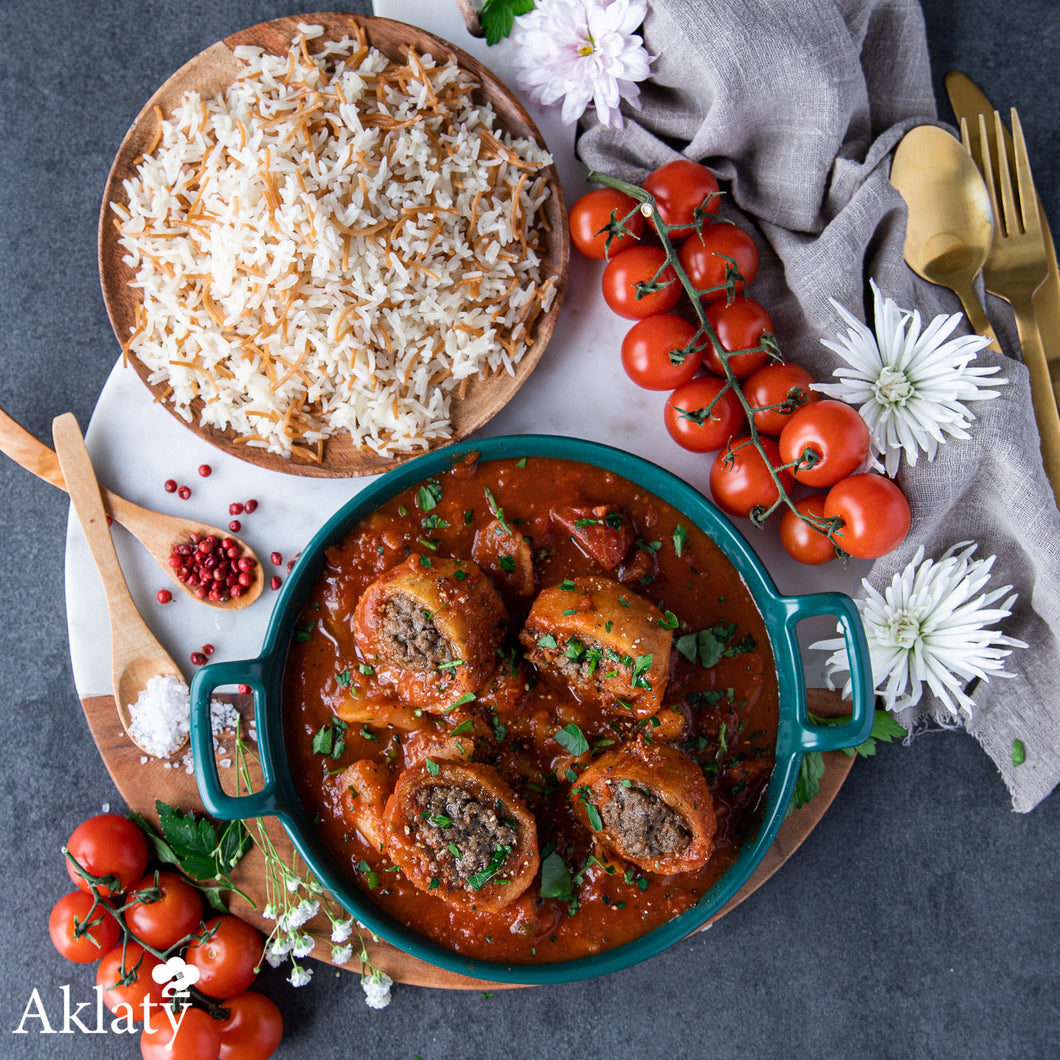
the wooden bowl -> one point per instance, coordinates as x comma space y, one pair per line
210, 73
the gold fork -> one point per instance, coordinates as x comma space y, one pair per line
1016, 266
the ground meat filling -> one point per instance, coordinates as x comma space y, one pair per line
585, 660
642, 824
463, 836
414, 637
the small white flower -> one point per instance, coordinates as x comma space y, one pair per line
376, 989
300, 976
270, 912
341, 954
293, 883
910, 388
299, 915
341, 930
302, 944
280, 946
582, 52
930, 627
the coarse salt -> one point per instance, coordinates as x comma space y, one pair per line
159, 719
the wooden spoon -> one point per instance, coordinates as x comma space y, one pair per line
135, 654
158, 533
950, 222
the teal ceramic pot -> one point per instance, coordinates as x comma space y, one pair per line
796, 735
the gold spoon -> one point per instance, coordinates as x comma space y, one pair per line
135, 654
950, 224
158, 533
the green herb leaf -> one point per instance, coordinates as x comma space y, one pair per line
433, 768
680, 536
498, 17
547, 641
555, 877
476, 881
1019, 753
464, 726
428, 496
594, 817
571, 739
195, 847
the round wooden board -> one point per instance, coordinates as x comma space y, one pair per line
141, 784
209, 73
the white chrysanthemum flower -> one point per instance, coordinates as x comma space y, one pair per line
341, 930
582, 52
930, 626
341, 954
376, 989
910, 388
300, 976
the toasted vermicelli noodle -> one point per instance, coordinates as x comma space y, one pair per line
335, 245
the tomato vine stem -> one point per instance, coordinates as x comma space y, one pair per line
647, 206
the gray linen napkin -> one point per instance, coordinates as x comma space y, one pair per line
797, 106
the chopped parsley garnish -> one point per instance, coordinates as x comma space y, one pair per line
439, 820
304, 632
567, 584
464, 726
343, 678
555, 877
432, 767
668, 621
507, 564
571, 739
547, 641
498, 512
680, 536
330, 739
428, 496
478, 880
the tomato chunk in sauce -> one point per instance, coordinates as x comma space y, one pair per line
477, 646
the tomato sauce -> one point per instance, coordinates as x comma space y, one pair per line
719, 708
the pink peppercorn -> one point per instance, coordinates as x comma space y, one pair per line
198, 659
205, 470
170, 485
275, 582
163, 596
235, 526
250, 506
184, 492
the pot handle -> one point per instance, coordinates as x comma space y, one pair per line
810, 737
215, 800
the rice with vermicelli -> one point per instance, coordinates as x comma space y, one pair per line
335, 245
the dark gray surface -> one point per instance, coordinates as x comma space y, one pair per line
919, 920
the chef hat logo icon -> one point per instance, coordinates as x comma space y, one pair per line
177, 975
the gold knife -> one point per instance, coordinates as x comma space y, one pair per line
968, 101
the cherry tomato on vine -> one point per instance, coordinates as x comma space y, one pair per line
686, 416
130, 986
80, 933
197, 1037
164, 921
778, 383
834, 433
740, 480
253, 1029
875, 515
704, 256
739, 325
639, 265
108, 845
228, 960
657, 352
593, 212
802, 541
681, 188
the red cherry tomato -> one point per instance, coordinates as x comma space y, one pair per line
875, 515
640, 265
593, 212
739, 325
740, 480
228, 960
778, 383
802, 541
834, 433
164, 921
197, 1037
704, 257
687, 420
253, 1029
128, 984
108, 845
80, 933
657, 352
682, 189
